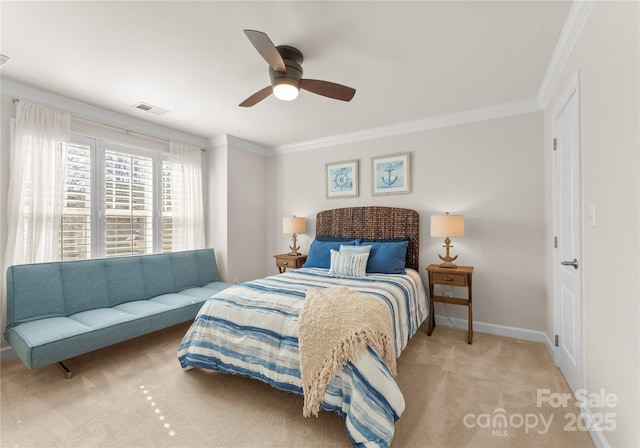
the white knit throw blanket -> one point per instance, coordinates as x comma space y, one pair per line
335, 326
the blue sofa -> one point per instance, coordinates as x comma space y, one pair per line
59, 310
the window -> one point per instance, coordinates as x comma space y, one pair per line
111, 193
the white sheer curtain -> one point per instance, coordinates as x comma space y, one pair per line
186, 197
34, 202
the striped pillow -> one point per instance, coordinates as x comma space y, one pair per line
348, 265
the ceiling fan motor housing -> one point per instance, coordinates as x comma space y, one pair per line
292, 60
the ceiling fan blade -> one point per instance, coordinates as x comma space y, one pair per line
267, 50
257, 97
328, 89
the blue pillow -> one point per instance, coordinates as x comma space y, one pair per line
387, 257
320, 252
355, 249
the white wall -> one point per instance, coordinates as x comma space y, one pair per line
607, 56
491, 171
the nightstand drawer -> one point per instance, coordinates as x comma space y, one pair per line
453, 279
284, 263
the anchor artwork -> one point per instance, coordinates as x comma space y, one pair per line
391, 174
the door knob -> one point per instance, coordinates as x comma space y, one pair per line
573, 263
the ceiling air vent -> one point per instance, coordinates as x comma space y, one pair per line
151, 109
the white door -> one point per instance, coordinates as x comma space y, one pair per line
567, 267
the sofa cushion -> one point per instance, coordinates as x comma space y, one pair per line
185, 270
102, 317
201, 294
157, 275
125, 280
176, 300
141, 308
85, 285
39, 332
215, 287
40, 289
207, 267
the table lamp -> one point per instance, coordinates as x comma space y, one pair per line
294, 225
447, 226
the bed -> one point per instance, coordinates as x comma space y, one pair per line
251, 329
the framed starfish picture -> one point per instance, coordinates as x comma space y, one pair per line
391, 174
341, 179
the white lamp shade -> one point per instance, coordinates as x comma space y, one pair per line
294, 225
447, 225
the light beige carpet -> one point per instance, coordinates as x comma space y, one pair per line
136, 395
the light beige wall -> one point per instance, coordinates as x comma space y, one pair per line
491, 171
607, 57
234, 196
215, 197
246, 180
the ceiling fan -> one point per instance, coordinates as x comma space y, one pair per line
285, 71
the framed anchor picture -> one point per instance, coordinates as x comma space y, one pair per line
341, 179
391, 174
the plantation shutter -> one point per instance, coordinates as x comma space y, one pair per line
75, 234
128, 204
167, 216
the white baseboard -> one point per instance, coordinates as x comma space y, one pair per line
498, 330
596, 434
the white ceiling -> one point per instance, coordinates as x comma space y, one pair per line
408, 60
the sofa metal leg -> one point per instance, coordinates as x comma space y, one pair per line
67, 373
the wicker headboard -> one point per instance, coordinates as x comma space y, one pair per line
373, 223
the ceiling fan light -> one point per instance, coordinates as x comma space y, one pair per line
285, 89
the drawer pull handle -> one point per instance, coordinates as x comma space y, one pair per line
448, 279
285, 263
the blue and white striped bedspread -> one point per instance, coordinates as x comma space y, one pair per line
251, 329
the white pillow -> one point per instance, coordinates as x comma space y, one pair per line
348, 265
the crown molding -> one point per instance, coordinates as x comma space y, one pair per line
226, 140
470, 116
97, 114
217, 140
578, 16
247, 145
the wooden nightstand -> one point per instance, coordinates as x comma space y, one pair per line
284, 261
460, 276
